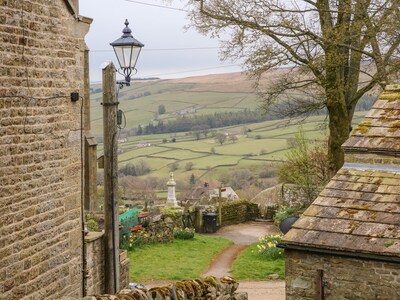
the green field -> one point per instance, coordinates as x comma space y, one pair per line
179, 260
257, 144
210, 158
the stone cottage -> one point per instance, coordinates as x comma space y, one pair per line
346, 245
44, 125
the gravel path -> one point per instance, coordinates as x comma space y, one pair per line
244, 235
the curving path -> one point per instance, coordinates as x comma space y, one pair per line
244, 235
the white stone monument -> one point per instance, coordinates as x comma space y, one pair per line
171, 199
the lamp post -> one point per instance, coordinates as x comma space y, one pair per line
127, 50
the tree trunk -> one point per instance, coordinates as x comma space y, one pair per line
339, 127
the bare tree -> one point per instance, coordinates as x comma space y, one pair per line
233, 138
337, 51
196, 131
306, 166
220, 138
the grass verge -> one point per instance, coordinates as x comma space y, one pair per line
182, 259
251, 265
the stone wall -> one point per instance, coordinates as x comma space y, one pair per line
235, 212
344, 278
281, 194
207, 288
41, 63
95, 263
124, 270
95, 279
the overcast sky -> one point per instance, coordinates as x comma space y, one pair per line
162, 32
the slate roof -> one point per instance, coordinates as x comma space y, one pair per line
358, 212
379, 132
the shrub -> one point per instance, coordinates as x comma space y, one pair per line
306, 165
173, 167
183, 234
134, 240
92, 225
267, 246
189, 166
283, 212
267, 173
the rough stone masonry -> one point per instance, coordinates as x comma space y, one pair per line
42, 59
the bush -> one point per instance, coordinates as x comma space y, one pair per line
183, 234
92, 225
134, 240
284, 212
267, 246
173, 167
189, 166
267, 173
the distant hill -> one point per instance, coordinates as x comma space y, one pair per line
185, 97
188, 96
255, 148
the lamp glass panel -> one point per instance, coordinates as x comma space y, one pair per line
135, 55
123, 54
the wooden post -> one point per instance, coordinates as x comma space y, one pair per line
110, 107
319, 285
220, 206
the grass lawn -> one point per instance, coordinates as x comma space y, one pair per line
250, 265
182, 259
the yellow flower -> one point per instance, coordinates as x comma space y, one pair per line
271, 245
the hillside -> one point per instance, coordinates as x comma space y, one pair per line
191, 96
256, 147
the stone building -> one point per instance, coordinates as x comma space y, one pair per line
346, 245
206, 194
44, 117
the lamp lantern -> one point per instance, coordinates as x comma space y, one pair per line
127, 50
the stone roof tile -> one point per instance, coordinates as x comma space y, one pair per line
358, 211
380, 129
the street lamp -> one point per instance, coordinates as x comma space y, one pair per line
127, 50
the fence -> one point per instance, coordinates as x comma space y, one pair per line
127, 220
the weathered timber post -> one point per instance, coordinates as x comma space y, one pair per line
110, 107
220, 206
220, 190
